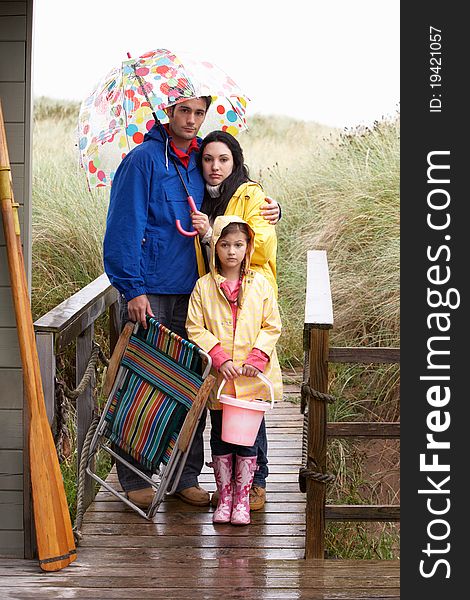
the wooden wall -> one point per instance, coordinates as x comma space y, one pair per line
15, 93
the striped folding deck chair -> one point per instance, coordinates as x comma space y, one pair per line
156, 397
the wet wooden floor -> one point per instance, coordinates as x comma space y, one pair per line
183, 555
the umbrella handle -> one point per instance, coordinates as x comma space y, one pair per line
193, 207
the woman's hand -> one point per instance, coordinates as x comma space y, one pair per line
270, 210
249, 370
200, 222
229, 371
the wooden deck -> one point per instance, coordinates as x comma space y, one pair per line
183, 555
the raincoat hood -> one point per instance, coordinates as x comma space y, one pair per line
219, 224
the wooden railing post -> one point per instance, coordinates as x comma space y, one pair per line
47, 365
85, 402
318, 321
73, 319
114, 325
316, 453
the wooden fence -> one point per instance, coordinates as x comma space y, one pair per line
73, 321
317, 325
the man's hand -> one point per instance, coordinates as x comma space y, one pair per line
137, 308
270, 210
200, 222
229, 371
249, 370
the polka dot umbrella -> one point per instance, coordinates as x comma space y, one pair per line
114, 118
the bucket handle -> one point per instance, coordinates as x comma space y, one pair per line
263, 378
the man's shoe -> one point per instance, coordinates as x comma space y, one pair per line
194, 495
257, 497
141, 498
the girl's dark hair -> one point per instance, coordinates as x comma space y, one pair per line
213, 207
233, 228
227, 230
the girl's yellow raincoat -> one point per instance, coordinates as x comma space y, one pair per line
245, 203
258, 322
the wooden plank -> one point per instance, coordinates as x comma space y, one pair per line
75, 314
316, 453
11, 510
170, 541
15, 138
7, 314
17, 174
230, 579
11, 544
11, 389
364, 355
84, 403
9, 348
318, 303
13, 100
184, 528
12, 8
47, 363
48, 592
363, 512
12, 429
12, 28
380, 430
11, 470
4, 275
12, 62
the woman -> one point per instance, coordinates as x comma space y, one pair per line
230, 191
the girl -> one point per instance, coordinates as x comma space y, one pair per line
230, 191
233, 315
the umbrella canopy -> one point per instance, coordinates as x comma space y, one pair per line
114, 118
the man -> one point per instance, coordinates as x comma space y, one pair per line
151, 264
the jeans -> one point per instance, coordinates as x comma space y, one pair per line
171, 311
259, 449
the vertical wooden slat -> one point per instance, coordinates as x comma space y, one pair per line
85, 403
47, 363
316, 458
114, 326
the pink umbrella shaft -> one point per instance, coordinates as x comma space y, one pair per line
193, 208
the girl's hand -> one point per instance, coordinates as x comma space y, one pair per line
200, 222
229, 371
249, 371
270, 210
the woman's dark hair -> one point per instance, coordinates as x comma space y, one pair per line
213, 207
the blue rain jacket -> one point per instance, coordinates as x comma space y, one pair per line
143, 251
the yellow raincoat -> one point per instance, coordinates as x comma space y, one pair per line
210, 322
246, 203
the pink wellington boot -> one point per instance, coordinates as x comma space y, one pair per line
245, 468
223, 477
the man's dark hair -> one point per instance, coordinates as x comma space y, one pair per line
213, 207
207, 100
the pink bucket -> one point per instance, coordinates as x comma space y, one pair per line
241, 418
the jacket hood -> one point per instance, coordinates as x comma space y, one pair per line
219, 224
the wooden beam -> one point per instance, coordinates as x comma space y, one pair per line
362, 512
381, 430
364, 355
